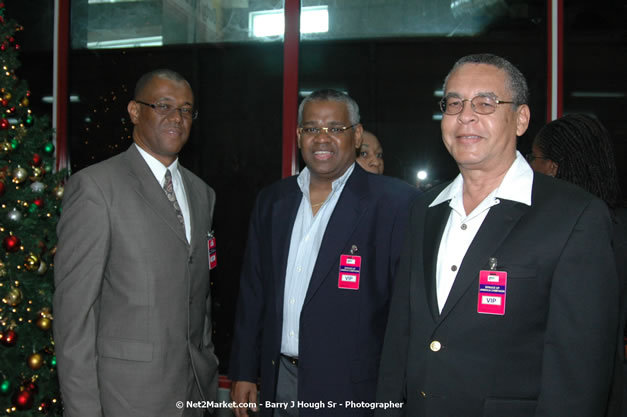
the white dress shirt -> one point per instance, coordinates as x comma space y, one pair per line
461, 228
304, 247
158, 170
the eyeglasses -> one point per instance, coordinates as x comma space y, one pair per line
165, 109
530, 157
333, 131
479, 104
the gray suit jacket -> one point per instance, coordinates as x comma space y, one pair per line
132, 321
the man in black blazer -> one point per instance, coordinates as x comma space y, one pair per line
323, 247
506, 301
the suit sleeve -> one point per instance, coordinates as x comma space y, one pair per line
83, 242
399, 230
208, 323
582, 321
392, 369
246, 347
208, 326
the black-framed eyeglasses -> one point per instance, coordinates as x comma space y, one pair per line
479, 104
334, 131
165, 109
530, 157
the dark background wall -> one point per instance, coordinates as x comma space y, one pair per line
235, 144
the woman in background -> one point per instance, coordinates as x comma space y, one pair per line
577, 148
370, 154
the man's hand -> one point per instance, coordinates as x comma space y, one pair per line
244, 392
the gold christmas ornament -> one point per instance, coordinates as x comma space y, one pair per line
13, 297
32, 262
5, 147
25, 102
35, 361
3, 269
7, 95
43, 323
43, 267
45, 312
19, 175
38, 173
58, 192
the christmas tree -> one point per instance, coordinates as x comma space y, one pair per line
30, 199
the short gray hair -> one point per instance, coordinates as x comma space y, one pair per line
516, 80
331, 95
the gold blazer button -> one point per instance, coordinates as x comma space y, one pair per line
435, 346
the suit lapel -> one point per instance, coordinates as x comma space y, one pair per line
147, 186
345, 218
284, 213
194, 214
495, 228
435, 222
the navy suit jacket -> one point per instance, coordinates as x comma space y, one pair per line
550, 355
341, 331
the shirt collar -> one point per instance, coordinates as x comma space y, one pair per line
157, 168
516, 185
304, 179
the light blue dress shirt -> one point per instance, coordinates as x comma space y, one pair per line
304, 247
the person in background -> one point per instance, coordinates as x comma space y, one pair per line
132, 305
370, 153
577, 148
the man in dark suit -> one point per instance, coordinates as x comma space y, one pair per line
132, 321
322, 250
506, 302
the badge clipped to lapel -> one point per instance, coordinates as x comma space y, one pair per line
350, 266
492, 290
211, 250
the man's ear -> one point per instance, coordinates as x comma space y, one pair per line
359, 131
298, 138
133, 111
523, 115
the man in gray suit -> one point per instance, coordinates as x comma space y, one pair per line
132, 304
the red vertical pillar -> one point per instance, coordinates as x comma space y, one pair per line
60, 81
555, 59
290, 87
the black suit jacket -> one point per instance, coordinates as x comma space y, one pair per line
341, 331
552, 352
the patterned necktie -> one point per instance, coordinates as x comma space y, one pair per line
168, 187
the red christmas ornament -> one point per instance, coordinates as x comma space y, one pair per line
9, 338
2, 189
3, 47
36, 159
23, 400
11, 39
17, 46
11, 243
4, 123
45, 406
38, 202
1, 5
2, 19
32, 387
4, 102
